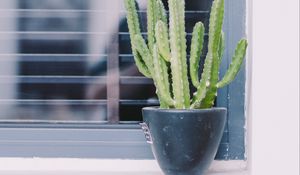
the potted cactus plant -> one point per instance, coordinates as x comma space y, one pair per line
186, 129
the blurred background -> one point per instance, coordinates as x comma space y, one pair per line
71, 60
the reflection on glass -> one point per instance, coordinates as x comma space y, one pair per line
71, 60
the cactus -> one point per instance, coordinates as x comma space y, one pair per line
166, 49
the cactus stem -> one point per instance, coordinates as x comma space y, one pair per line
169, 45
178, 54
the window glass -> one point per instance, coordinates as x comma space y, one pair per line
71, 60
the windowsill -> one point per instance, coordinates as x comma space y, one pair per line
63, 166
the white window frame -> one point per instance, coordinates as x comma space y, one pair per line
274, 108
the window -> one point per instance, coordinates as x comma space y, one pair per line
69, 86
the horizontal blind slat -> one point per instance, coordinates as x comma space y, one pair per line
86, 11
74, 102
72, 79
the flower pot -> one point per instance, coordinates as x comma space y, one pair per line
184, 142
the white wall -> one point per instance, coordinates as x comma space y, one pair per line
274, 107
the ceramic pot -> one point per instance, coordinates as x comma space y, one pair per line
184, 142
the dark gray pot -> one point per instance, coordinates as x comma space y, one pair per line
184, 142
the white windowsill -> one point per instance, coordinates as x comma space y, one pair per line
63, 166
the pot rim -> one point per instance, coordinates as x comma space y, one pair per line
156, 108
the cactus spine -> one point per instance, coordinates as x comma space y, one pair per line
166, 49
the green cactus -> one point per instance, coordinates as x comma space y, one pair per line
166, 49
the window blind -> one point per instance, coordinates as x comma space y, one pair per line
71, 60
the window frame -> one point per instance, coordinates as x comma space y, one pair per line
126, 140
73, 140
233, 96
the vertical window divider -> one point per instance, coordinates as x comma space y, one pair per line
113, 73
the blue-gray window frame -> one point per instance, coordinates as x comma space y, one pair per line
126, 140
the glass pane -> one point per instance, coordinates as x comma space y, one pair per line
53, 59
142, 93
71, 60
